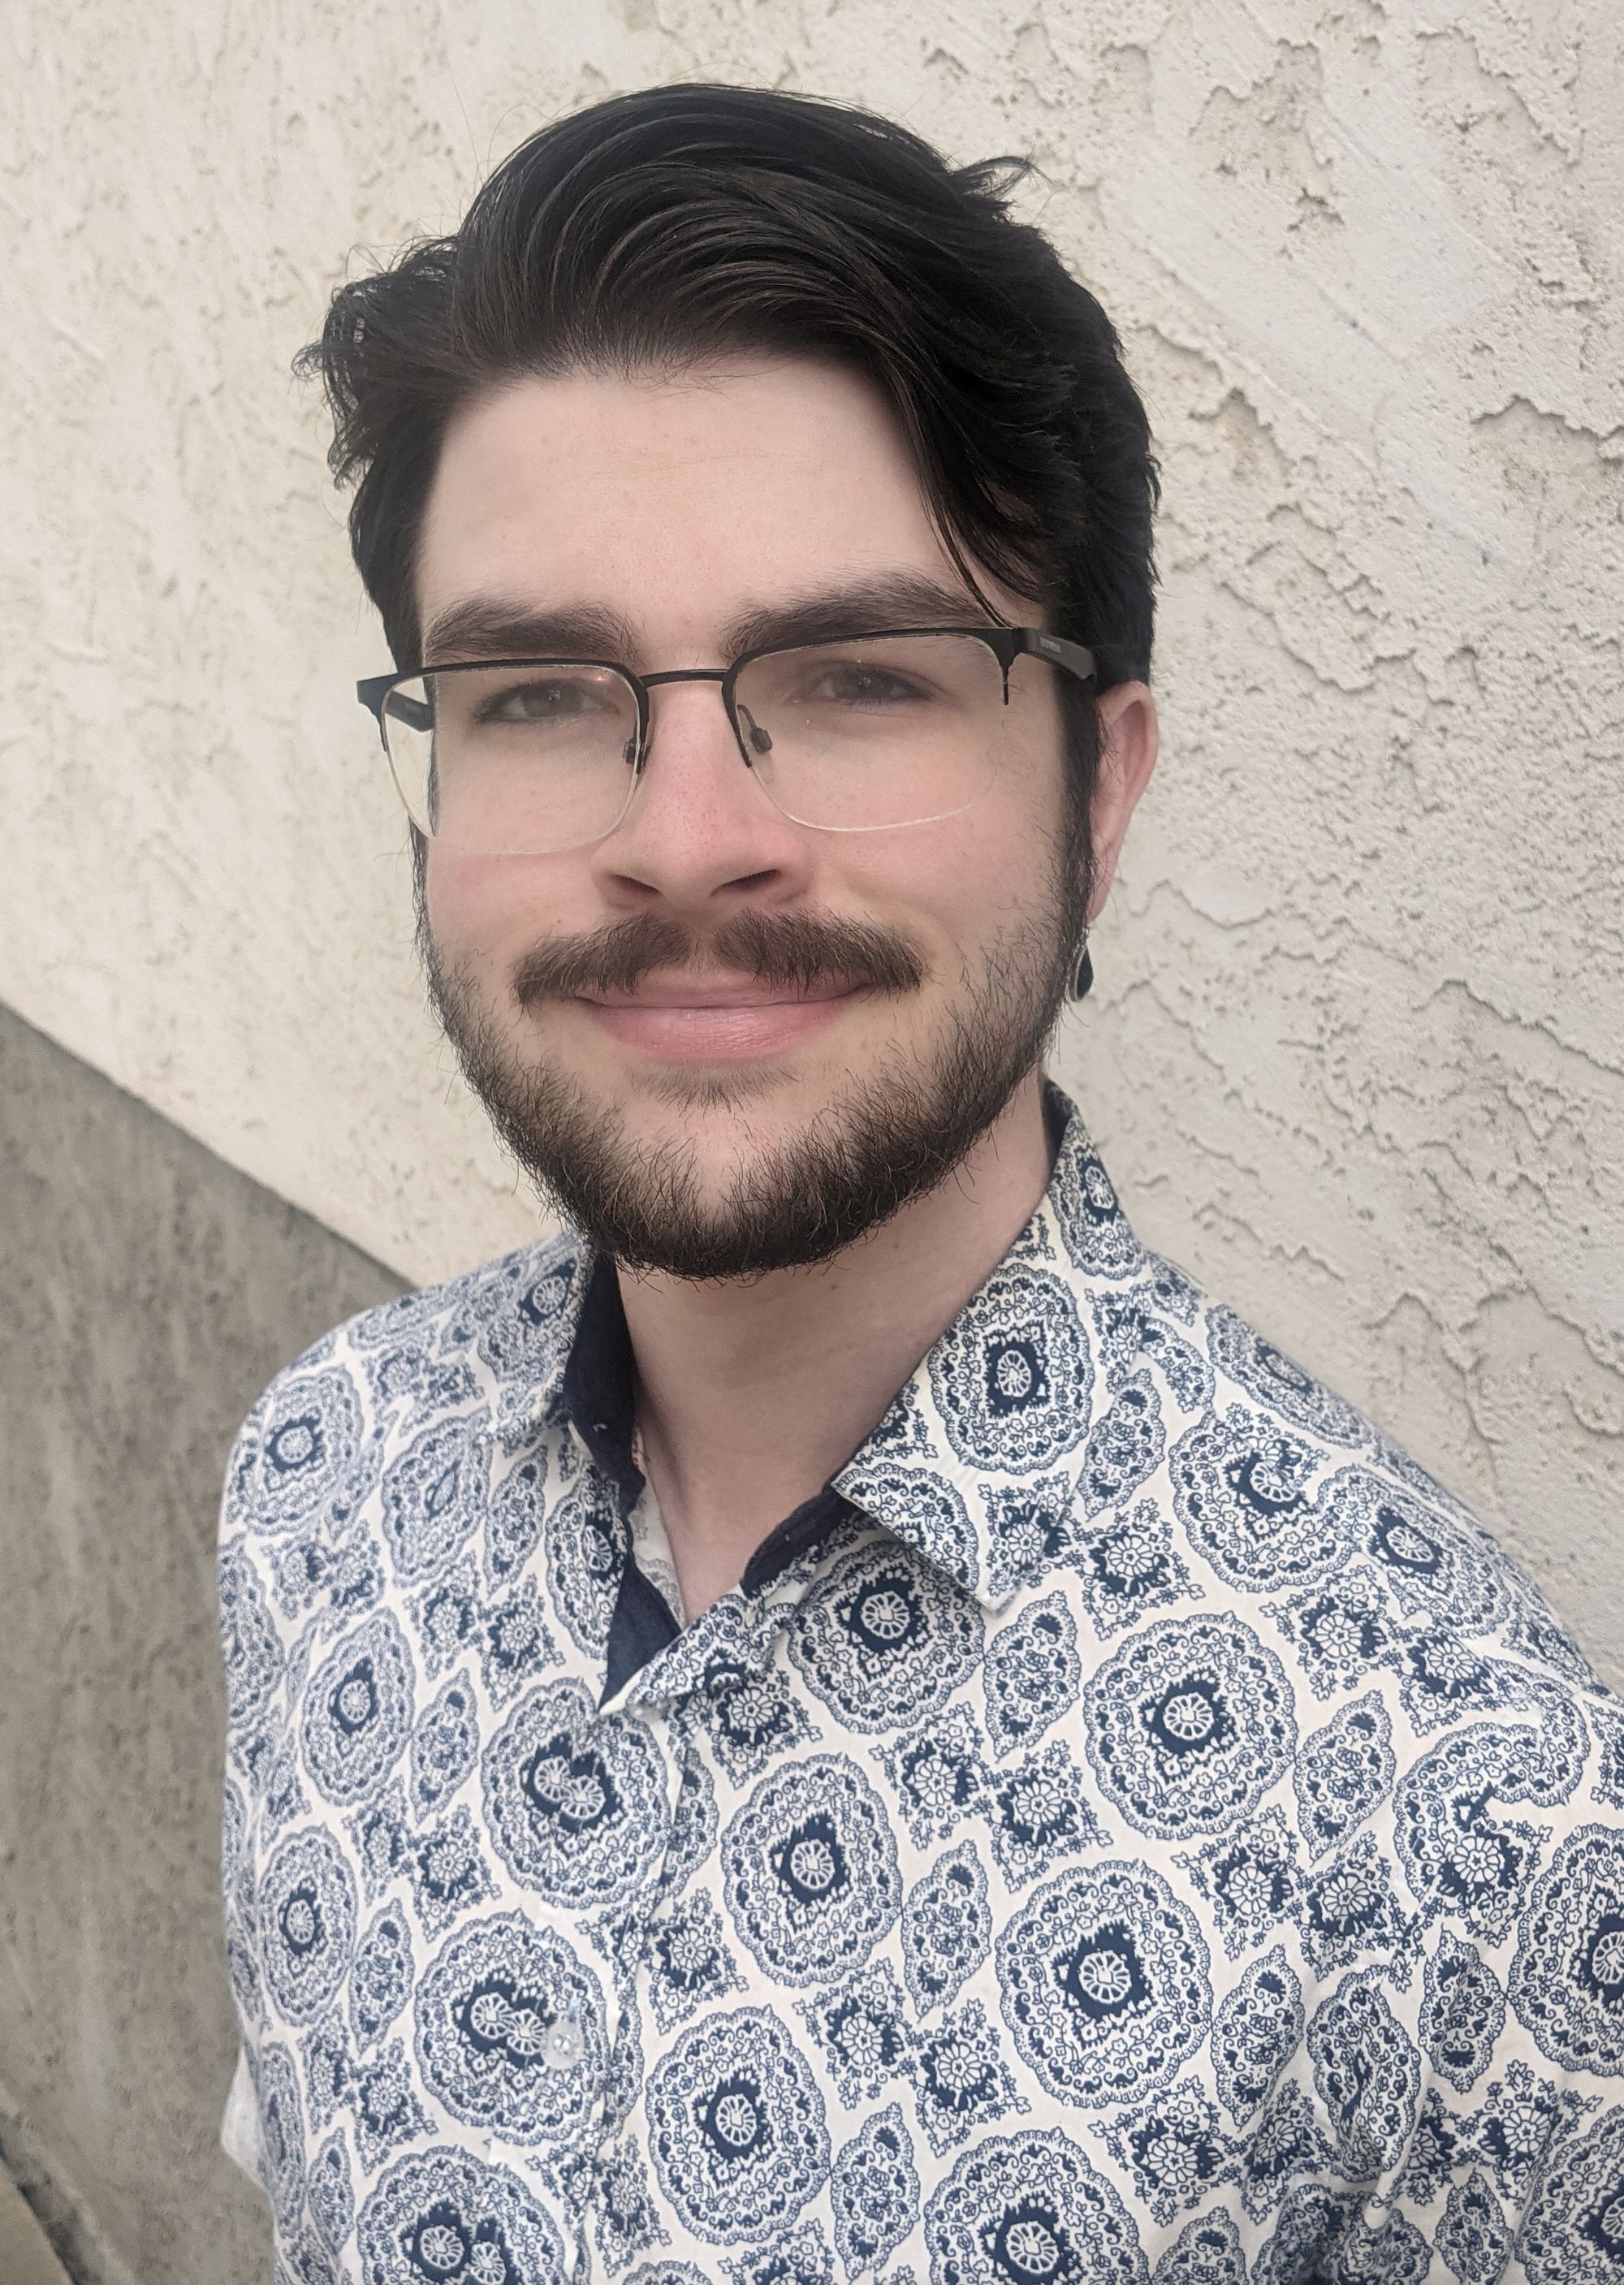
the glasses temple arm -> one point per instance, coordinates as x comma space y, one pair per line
380, 696
1077, 658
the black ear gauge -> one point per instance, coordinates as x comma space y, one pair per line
1084, 985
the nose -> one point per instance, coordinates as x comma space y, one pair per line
701, 835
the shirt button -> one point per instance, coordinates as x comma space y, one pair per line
564, 2045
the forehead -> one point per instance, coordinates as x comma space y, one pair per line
675, 500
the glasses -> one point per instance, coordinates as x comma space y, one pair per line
526, 756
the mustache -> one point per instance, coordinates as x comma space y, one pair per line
786, 951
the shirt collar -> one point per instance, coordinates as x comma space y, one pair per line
597, 1388
977, 1463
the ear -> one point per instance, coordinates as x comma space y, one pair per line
1128, 741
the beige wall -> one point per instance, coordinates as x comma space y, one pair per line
1357, 1052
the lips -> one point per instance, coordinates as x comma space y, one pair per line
681, 992
675, 1020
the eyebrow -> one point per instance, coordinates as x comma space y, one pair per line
899, 599
496, 627
491, 626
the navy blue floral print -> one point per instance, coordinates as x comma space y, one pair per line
1142, 1832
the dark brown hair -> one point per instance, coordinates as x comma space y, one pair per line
692, 221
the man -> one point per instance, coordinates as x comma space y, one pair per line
843, 1721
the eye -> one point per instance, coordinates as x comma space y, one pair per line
552, 698
854, 682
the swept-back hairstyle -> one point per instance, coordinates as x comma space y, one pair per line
691, 223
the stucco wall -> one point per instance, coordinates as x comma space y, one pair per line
1357, 1052
150, 1294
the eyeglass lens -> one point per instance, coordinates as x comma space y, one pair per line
846, 737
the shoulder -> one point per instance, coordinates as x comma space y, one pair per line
1296, 1508
483, 1343
1362, 1627
1322, 1694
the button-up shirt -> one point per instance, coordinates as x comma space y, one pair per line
1132, 1821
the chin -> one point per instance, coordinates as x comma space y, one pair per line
702, 1096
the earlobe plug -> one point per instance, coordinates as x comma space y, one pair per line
1085, 976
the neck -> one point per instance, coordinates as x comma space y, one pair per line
751, 1394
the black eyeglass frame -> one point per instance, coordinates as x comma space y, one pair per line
1006, 644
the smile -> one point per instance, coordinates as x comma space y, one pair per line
679, 1022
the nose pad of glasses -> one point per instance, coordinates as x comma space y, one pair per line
754, 733
628, 752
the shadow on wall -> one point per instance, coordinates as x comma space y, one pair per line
150, 1294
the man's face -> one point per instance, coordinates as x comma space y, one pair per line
726, 1041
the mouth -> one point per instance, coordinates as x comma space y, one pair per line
689, 1019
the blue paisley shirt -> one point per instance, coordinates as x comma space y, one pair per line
1134, 1829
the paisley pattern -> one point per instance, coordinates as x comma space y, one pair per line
431, 1499
331, 2193
1256, 2032
250, 1647
946, 1928
357, 1711
1031, 1675
576, 1807
510, 2031
281, 2130
1462, 2013
809, 1871
1206, 2251
306, 1923
736, 2128
1105, 1983
1011, 1377
1124, 1445
1368, 2074
445, 2215
1343, 1773
586, 1539
873, 2191
1272, 1381
886, 1640
1154, 1836
445, 1745
1189, 1726
1567, 1977
1465, 1857
381, 1981
1253, 1499
1435, 1564
513, 1521
1030, 2206
297, 1457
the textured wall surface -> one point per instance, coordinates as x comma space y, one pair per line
150, 1292
1358, 1049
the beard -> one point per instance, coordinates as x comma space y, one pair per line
889, 1135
